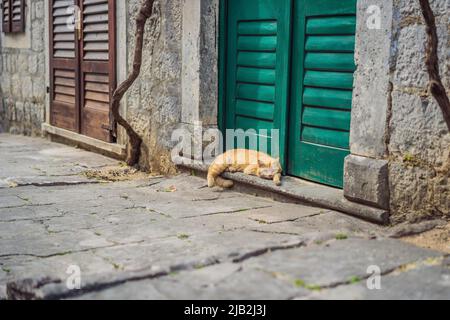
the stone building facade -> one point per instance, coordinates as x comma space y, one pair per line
399, 144
22, 69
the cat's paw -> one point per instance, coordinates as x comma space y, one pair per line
277, 180
228, 184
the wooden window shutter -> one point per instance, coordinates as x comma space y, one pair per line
82, 66
97, 51
63, 67
6, 20
17, 15
257, 69
13, 16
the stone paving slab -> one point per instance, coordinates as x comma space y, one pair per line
173, 238
329, 222
32, 159
327, 265
421, 282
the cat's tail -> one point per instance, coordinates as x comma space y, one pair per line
214, 178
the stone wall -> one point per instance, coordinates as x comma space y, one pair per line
154, 101
394, 120
418, 141
22, 74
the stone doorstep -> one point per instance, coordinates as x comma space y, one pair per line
112, 150
298, 191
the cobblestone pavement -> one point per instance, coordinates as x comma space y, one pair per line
172, 238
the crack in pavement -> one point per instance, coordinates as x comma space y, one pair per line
58, 254
225, 212
262, 221
219, 197
37, 219
262, 251
29, 205
148, 185
273, 232
55, 184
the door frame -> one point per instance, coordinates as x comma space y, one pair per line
222, 86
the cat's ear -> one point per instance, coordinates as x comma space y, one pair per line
261, 163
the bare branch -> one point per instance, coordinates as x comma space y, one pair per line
437, 88
134, 152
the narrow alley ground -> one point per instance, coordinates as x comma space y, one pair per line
172, 238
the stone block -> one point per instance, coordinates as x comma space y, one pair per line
17, 111
39, 9
27, 87
33, 63
367, 181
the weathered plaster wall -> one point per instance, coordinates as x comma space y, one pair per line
22, 75
154, 101
178, 84
419, 141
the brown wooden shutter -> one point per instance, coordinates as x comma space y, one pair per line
82, 67
6, 20
63, 66
17, 13
97, 67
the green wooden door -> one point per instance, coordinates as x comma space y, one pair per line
257, 68
321, 89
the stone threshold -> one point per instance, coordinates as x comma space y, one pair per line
298, 191
64, 136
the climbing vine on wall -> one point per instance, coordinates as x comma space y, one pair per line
437, 88
135, 141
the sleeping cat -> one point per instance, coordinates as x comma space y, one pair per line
247, 161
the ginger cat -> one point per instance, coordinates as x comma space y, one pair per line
247, 161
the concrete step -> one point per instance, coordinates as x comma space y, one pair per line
297, 191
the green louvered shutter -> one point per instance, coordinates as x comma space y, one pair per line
322, 82
257, 67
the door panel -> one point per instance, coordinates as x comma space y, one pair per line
97, 73
257, 73
6, 21
83, 67
64, 88
322, 83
